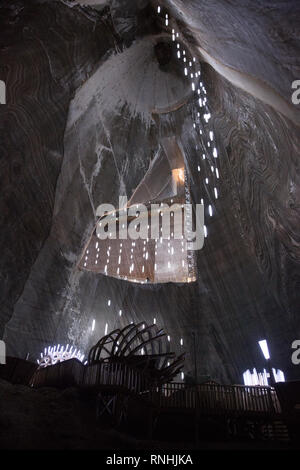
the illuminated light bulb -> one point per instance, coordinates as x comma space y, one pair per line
193, 86
178, 54
154, 321
185, 71
206, 180
181, 342
215, 152
118, 271
158, 9
211, 135
216, 193
182, 375
210, 210
109, 303
212, 168
84, 264
106, 329
169, 339
120, 313
203, 156
205, 231
199, 168
97, 244
192, 75
93, 325
217, 173
264, 348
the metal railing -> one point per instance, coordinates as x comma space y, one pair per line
116, 374
207, 397
217, 398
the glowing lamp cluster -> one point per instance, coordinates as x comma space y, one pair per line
55, 354
262, 378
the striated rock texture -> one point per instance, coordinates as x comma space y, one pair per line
47, 51
87, 106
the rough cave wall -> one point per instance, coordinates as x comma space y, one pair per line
248, 285
47, 51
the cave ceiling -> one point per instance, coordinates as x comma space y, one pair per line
93, 88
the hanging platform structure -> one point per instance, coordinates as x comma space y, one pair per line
157, 257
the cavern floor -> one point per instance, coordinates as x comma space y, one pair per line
49, 418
